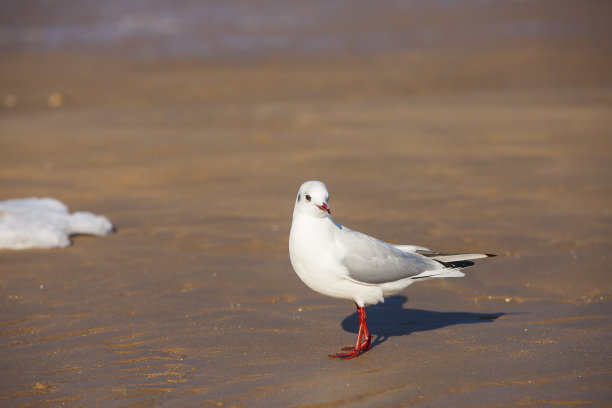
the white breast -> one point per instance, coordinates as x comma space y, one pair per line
311, 250
310, 243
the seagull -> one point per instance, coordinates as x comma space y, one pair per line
336, 261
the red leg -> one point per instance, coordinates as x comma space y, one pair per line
366, 333
351, 352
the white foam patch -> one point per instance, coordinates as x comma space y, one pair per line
45, 223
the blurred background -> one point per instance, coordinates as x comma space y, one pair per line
256, 30
556, 40
460, 125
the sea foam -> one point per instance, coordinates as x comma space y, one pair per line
45, 223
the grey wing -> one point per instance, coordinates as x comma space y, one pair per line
370, 260
411, 248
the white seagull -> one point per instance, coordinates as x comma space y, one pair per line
338, 262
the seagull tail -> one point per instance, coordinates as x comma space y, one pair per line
441, 273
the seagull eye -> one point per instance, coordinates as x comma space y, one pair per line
307, 197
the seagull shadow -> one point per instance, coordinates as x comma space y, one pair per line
391, 319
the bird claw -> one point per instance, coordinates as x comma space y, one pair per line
352, 351
365, 346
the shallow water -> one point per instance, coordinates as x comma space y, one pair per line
238, 30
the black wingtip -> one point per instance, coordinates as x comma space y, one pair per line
490, 255
458, 264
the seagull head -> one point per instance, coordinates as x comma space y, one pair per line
313, 199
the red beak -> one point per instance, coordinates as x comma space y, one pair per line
325, 208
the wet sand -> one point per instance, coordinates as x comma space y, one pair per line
193, 302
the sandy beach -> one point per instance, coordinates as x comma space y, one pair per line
467, 140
